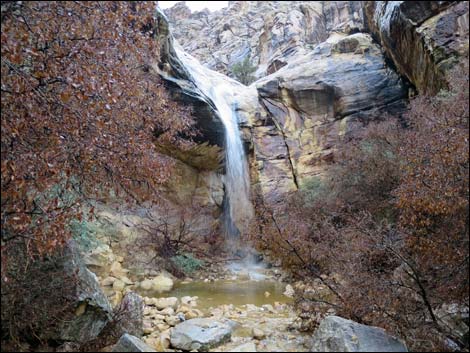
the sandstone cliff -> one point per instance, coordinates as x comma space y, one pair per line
423, 38
324, 70
270, 33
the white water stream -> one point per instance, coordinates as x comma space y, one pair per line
219, 88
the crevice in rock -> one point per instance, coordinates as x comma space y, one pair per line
278, 126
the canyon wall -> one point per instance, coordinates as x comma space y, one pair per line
324, 70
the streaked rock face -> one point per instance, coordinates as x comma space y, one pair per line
316, 103
423, 38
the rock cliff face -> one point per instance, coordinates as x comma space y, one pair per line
315, 104
270, 33
423, 38
325, 69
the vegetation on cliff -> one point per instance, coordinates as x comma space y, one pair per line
243, 71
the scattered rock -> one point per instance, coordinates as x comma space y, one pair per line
160, 342
251, 307
184, 309
336, 334
192, 314
163, 303
187, 300
159, 284
162, 327
162, 283
108, 281
126, 280
101, 256
146, 284
147, 328
165, 339
289, 292
247, 347
269, 308
118, 285
201, 334
116, 298
267, 294
168, 311
129, 343
258, 333
172, 320
116, 270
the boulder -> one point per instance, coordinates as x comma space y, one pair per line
336, 334
289, 292
201, 334
118, 285
129, 343
163, 303
93, 308
258, 333
161, 283
132, 309
100, 256
116, 270
108, 281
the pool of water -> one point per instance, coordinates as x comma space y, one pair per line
236, 292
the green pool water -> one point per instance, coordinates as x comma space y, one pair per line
237, 292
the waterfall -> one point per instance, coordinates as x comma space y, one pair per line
219, 89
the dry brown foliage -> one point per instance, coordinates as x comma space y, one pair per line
388, 232
80, 112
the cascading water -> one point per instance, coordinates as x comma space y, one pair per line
217, 87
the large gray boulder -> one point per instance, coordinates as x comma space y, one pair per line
132, 309
93, 310
201, 334
129, 343
336, 334
54, 298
